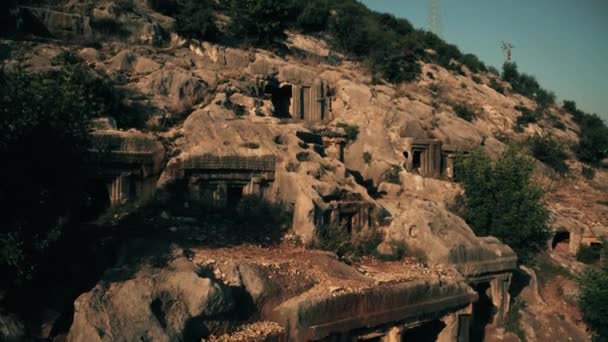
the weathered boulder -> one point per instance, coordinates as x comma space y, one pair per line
176, 86
438, 236
154, 304
63, 24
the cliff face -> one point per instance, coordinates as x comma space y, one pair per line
236, 122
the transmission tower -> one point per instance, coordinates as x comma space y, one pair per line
507, 49
435, 17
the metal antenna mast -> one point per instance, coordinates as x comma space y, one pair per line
507, 49
435, 17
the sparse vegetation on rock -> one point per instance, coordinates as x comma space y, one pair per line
465, 112
549, 151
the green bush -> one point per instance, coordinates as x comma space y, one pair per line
588, 254
527, 85
195, 19
391, 175
497, 86
167, 7
352, 131
337, 239
465, 112
303, 156
259, 216
502, 201
593, 135
314, 15
550, 152
44, 118
528, 116
259, 23
492, 70
367, 158
593, 301
588, 172
473, 63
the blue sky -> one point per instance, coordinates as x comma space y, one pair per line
564, 43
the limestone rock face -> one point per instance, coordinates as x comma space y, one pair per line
154, 304
175, 87
63, 24
438, 236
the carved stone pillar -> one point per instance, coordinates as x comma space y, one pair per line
458, 326
393, 335
499, 294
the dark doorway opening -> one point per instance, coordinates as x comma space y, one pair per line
281, 100
483, 312
560, 238
417, 160
346, 222
132, 188
233, 196
427, 332
97, 199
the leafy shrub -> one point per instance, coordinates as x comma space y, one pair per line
259, 215
259, 22
195, 19
502, 201
303, 156
336, 239
549, 151
497, 86
528, 116
513, 320
465, 112
555, 121
352, 131
473, 63
367, 158
167, 7
593, 301
588, 254
46, 118
593, 135
314, 15
527, 85
492, 70
588, 172
66, 58
391, 175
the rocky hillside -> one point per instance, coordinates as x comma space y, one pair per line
228, 168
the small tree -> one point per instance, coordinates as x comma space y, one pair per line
44, 124
314, 16
259, 22
195, 19
501, 200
